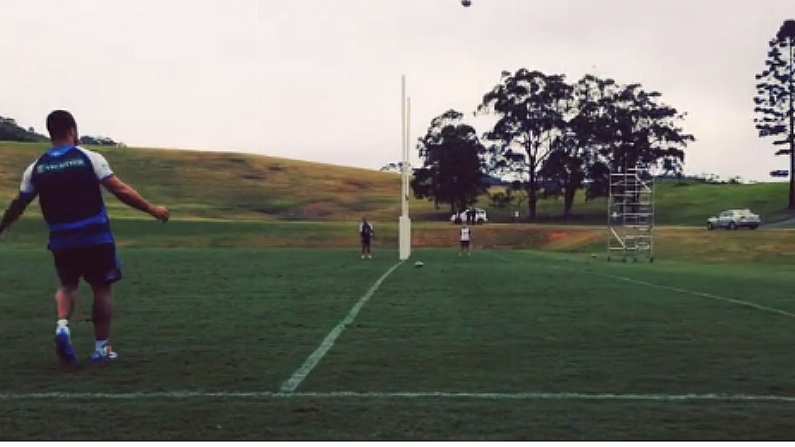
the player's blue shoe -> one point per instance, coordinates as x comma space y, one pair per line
103, 355
63, 347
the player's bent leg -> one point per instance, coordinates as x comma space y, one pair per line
68, 265
64, 299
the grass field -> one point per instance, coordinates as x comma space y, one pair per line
507, 344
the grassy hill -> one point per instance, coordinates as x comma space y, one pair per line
229, 185
213, 185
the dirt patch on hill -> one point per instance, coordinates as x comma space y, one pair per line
573, 239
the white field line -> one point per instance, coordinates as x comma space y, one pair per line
309, 364
711, 296
265, 395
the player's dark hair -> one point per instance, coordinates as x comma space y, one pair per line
59, 122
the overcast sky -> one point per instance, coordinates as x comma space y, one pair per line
320, 79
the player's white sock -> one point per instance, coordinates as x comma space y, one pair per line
62, 323
100, 345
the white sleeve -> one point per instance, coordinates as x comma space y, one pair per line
26, 187
101, 166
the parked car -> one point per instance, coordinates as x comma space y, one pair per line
734, 219
480, 216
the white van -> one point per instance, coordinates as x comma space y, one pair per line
480, 216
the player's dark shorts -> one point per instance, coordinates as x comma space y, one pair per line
366, 241
464, 244
98, 265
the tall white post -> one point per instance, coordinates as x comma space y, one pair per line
404, 223
407, 157
403, 210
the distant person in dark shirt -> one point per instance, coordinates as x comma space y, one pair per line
367, 233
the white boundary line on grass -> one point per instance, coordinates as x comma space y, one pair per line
699, 294
309, 364
182, 395
672, 289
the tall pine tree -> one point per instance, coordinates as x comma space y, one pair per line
775, 98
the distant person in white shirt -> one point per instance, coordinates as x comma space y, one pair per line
466, 240
367, 233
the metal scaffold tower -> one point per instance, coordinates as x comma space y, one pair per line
630, 218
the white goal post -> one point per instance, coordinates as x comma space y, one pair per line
404, 222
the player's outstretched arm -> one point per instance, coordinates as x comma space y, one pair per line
15, 210
129, 196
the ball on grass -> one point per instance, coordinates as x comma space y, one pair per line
418, 264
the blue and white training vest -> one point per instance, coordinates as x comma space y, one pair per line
68, 181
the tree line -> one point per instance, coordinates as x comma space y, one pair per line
552, 138
11, 131
555, 138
